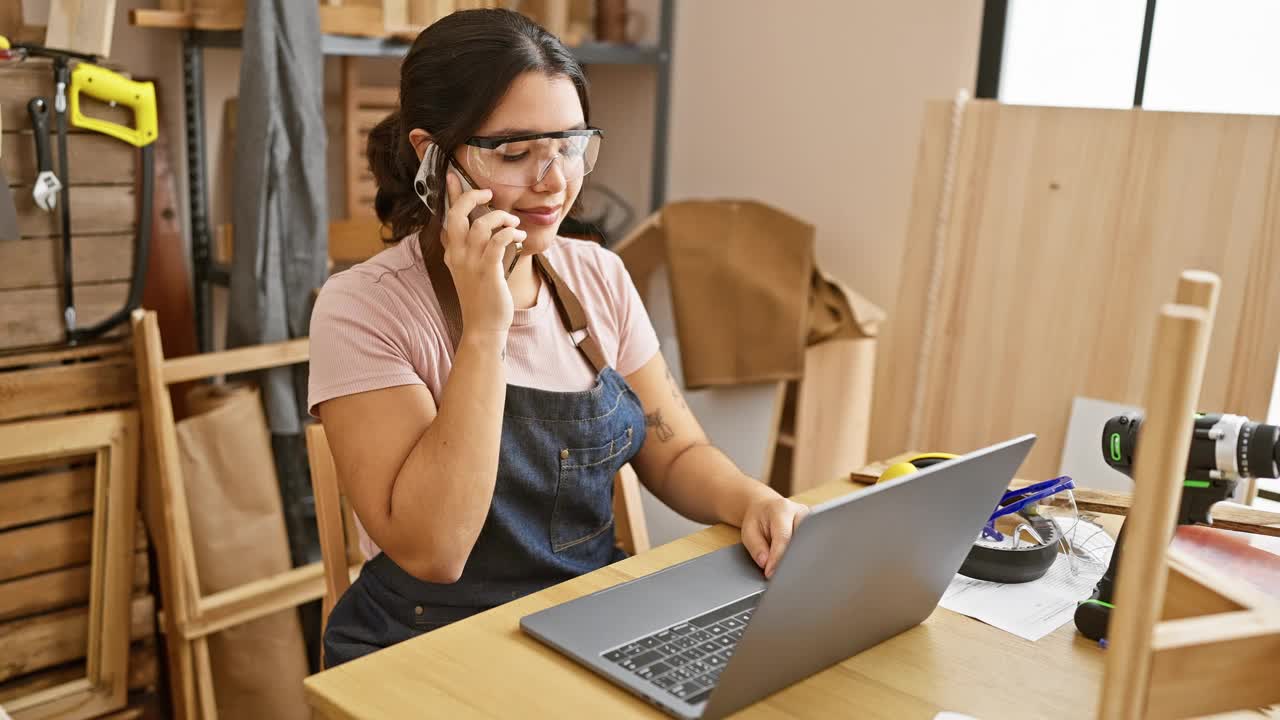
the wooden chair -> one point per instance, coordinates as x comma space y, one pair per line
339, 546
1185, 639
190, 616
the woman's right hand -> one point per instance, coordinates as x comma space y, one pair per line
473, 252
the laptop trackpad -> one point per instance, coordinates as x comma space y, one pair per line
603, 620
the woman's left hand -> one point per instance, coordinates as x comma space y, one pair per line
767, 527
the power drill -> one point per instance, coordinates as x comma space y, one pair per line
1225, 449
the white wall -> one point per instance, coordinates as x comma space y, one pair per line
815, 106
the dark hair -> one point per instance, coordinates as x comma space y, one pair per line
454, 75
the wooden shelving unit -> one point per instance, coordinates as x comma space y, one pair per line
350, 31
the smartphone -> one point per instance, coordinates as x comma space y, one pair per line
513, 250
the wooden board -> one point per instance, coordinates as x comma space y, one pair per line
81, 25
50, 546
1067, 228
59, 589
32, 263
59, 389
95, 159
34, 317
143, 674
55, 638
95, 210
337, 20
19, 360
46, 496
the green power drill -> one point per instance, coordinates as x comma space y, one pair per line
1225, 449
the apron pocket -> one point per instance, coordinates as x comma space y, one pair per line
584, 493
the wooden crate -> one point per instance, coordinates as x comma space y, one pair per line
103, 218
46, 528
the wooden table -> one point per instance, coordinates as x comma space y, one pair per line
486, 667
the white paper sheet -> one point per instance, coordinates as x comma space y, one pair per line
1035, 609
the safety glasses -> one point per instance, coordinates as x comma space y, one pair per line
524, 160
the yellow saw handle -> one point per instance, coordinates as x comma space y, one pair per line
107, 86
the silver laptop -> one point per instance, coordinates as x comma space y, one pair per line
710, 636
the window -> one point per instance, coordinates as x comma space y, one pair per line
1201, 55
1215, 56
1082, 53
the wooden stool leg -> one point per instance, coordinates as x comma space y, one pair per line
1177, 367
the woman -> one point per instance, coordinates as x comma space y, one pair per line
476, 431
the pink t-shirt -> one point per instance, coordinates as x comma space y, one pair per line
378, 325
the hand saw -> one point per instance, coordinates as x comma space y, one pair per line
109, 87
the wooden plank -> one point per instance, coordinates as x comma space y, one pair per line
46, 496
226, 362
34, 77
96, 159
329, 518
833, 411
171, 19
51, 546
256, 599
55, 638
112, 579
364, 21
31, 263
59, 589
143, 674
46, 547
91, 350
95, 210
904, 328
81, 25
1215, 663
165, 506
1104, 207
66, 388
336, 20
204, 678
33, 317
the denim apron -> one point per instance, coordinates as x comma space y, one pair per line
551, 518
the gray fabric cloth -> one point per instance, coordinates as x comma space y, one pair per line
280, 217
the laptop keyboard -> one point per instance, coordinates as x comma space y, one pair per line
686, 659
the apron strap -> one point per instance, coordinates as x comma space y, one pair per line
572, 315
570, 308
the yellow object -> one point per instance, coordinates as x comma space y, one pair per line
911, 465
107, 86
4, 43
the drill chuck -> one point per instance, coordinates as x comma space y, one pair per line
1223, 447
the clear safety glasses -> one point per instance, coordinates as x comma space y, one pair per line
524, 160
